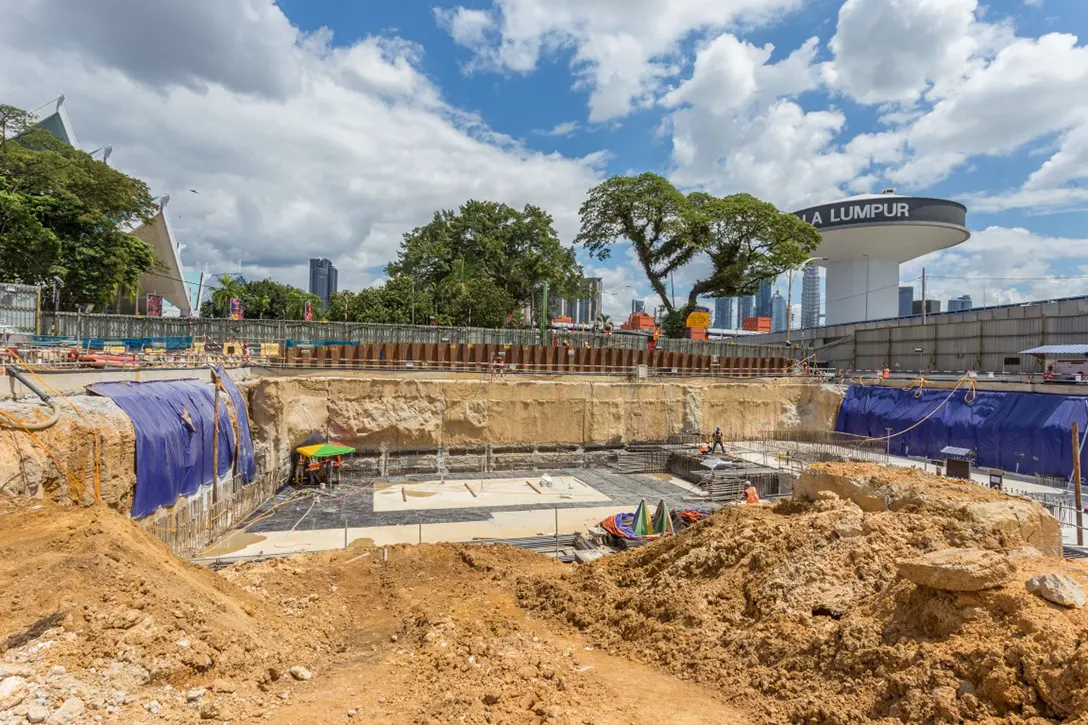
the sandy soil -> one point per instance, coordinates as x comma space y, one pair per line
793, 613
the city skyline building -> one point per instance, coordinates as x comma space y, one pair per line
778, 313
763, 298
638, 306
723, 313
746, 308
810, 297
323, 279
906, 300
960, 304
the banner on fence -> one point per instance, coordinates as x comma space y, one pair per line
154, 305
309, 313
236, 311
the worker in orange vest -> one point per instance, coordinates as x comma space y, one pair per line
751, 495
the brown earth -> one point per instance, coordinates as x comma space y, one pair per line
92, 608
424, 411
760, 614
407, 411
27, 470
797, 612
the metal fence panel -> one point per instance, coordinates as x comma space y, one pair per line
19, 307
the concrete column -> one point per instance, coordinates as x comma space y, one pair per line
383, 460
851, 281
489, 459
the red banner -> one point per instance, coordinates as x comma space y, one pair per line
309, 313
154, 305
236, 311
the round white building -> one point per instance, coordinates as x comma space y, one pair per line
867, 237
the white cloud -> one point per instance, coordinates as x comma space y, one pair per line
467, 27
561, 129
892, 50
622, 49
1002, 265
297, 148
736, 127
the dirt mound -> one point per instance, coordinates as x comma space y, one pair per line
798, 612
91, 604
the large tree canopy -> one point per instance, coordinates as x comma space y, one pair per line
745, 240
484, 261
63, 214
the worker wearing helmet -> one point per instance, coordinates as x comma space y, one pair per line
718, 440
751, 495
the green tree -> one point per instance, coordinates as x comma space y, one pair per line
494, 249
226, 289
64, 214
296, 304
745, 239
255, 293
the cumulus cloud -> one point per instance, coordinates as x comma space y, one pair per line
297, 148
1003, 265
892, 50
622, 49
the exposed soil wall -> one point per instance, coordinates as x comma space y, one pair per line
31, 465
423, 412
409, 412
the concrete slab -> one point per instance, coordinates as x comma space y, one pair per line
529, 490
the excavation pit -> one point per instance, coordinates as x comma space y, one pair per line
423, 509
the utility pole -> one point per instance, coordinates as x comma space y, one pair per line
1076, 483
413, 300
923, 295
544, 313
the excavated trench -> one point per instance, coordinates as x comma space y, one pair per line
873, 595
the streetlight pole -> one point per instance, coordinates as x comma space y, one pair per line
866, 286
789, 293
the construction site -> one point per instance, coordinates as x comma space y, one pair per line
425, 539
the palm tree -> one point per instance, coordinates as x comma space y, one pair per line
296, 304
227, 288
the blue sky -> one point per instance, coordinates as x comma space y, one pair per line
328, 128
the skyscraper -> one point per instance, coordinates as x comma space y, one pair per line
638, 306
810, 297
747, 307
778, 313
906, 301
960, 304
323, 280
763, 298
723, 313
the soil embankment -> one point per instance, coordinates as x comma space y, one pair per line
805, 611
428, 412
58, 463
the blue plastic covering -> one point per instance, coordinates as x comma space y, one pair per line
247, 466
172, 458
176, 342
1025, 432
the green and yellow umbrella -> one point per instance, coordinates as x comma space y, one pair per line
325, 450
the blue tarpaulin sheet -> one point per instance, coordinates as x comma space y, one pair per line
247, 466
1025, 432
174, 428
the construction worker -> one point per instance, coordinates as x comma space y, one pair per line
886, 373
704, 448
751, 495
718, 440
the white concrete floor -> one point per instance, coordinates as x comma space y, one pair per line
475, 493
503, 524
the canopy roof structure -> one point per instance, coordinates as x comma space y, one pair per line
168, 276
